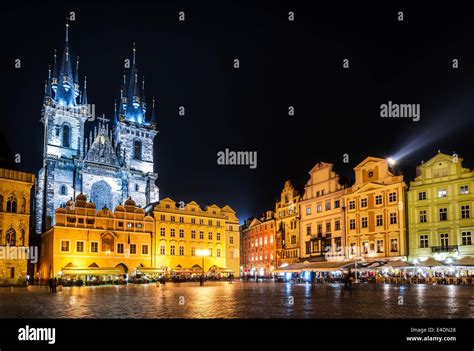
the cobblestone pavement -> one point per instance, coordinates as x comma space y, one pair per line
240, 300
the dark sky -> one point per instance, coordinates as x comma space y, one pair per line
282, 63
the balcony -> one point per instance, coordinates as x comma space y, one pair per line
449, 248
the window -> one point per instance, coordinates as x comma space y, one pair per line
365, 247
133, 249
423, 218
464, 189
193, 251
65, 245
443, 214
181, 233
320, 229
392, 197
378, 199
218, 252
162, 250
308, 230
120, 248
181, 219
352, 205
137, 150
173, 232
181, 250
293, 240
201, 235
10, 238
162, 218
129, 225
422, 195
363, 203
465, 211
365, 222
379, 246
218, 223
444, 239
79, 246
137, 187
139, 225
63, 190
265, 240
162, 231
201, 221
379, 220
337, 204
352, 224
209, 236
442, 193
337, 225
394, 245
218, 236
328, 206
466, 238
423, 241
231, 239
11, 204
94, 246
328, 227
393, 218
271, 240
108, 242
58, 130
66, 136
209, 222
173, 219
193, 234
91, 221
308, 247
308, 210
210, 251
144, 249
338, 243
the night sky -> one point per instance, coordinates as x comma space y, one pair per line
282, 64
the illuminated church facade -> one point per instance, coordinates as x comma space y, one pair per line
112, 163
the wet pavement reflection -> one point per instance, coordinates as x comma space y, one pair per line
240, 300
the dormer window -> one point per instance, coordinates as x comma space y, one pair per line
370, 174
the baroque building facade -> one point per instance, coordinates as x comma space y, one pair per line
440, 203
113, 162
183, 230
375, 212
287, 218
322, 225
259, 245
15, 190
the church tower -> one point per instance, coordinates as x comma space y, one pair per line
134, 134
65, 111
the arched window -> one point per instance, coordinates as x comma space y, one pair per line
1, 203
137, 150
10, 237
63, 190
23, 205
108, 243
66, 136
11, 204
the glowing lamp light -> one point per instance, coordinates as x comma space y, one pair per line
449, 261
391, 161
451, 269
288, 276
202, 253
415, 261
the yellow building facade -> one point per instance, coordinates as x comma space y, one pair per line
85, 242
287, 218
184, 229
15, 190
375, 212
440, 205
322, 215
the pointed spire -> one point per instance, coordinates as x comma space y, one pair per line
66, 92
153, 118
115, 120
48, 88
84, 94
76, 76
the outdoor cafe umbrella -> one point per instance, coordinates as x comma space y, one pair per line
465, 261
431, 262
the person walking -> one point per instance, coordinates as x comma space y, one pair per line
55, 285
50, 283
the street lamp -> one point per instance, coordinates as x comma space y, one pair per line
202, 253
